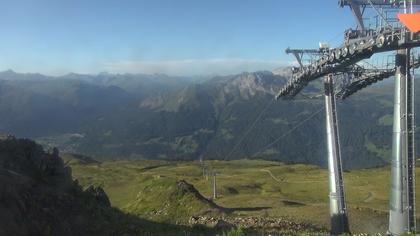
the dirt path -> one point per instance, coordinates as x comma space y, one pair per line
370, 197
272, 176
282, 180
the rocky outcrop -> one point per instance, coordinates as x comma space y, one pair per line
187, 188
39, 197
99, 194
25, 157
165, 199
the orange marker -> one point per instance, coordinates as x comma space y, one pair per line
411, 21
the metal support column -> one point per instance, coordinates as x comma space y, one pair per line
338, 210
214, 186
402, 196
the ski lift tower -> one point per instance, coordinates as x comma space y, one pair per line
388, 34
402, 194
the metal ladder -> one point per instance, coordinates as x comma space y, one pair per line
410, 147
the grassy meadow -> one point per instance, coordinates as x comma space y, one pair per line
248, 187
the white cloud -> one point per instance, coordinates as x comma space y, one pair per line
192, 66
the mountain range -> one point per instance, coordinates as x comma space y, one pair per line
139, 116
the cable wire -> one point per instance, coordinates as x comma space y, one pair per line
249, 129
289, 132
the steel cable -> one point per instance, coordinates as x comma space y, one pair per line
249, 129
289, 131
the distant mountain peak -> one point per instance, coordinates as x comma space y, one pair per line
8, 72
261, 81
13, 75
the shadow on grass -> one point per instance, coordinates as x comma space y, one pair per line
132, 225
231, 210
113, 221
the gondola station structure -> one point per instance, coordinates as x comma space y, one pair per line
396, 28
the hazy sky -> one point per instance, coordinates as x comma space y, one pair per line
182, 37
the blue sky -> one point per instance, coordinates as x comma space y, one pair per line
182, 37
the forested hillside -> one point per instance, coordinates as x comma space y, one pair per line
128, 116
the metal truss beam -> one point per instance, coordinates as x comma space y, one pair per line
338, 59
299, 53
367, 78
390, 3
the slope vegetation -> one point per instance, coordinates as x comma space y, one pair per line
169, 200
39, 197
